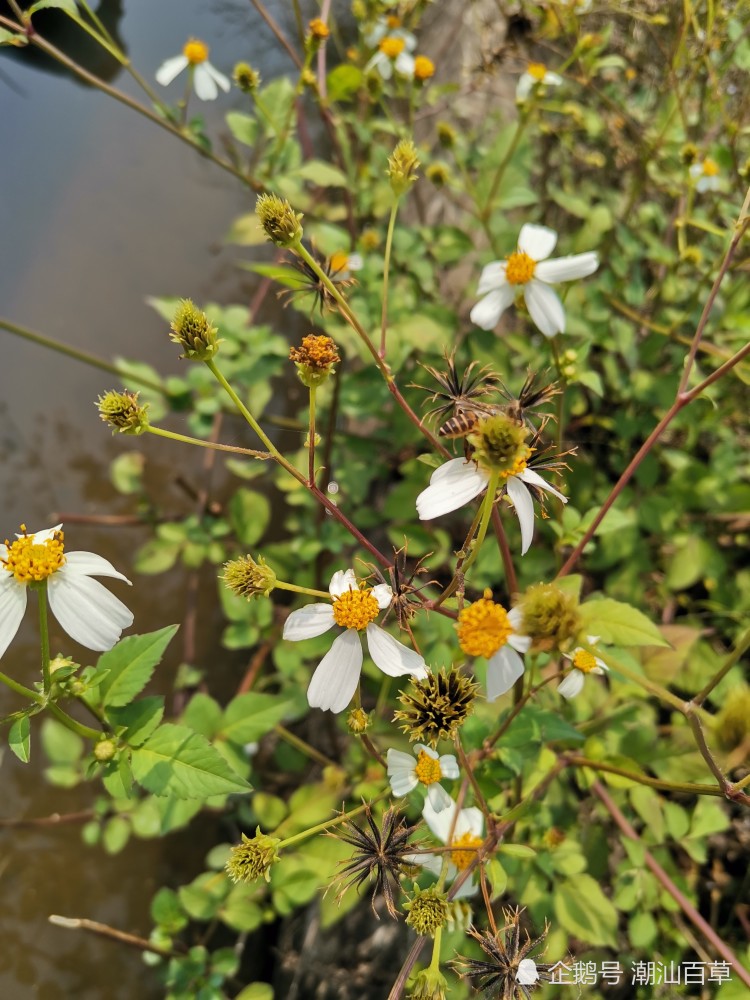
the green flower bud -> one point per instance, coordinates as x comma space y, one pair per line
105, 750
120, 410
246, 78
499, 445
253, 857
280, 222
402, 167
358, 721
193, 331
550, 617
429, 984
427, 910
247, 578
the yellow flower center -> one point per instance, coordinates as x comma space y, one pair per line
710, 167
393, 21
464, 852
483, 627
195, 51
392, 47
584, 661
427, 769
519, 268
339, 261
424, 68
30, 561
318, 28
519, 464
355, 609
537, 70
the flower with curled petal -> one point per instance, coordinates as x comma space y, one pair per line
354, 608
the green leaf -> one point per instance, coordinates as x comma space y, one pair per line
517, 851
130, 665
126, 472
250, 716
69, 6
115, 834
256, 991
19, 739
60, 745
321, 173
250, 513
140, 718
202, 714
344, 81
243, 127
167, 912
12, 38
584, 911
619, 624
176, 761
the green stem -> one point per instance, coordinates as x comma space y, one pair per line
488, 504
386, 270
72, 724
325, 826
435, 963
44, 636
304, 748
200, 443
311, 438
739, 650
211, 365
642, 779
20, 689
302, 590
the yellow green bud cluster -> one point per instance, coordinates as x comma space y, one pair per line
358, 721
550, 617
247, 578
427, 910
318, 31
280, 222
192, 330
689, 154
121, 411
105, 750
402, 167
314, 359
438, 174
499, 445
246, 78
446, 134
429, 984
253, 858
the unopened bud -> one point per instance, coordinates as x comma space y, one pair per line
120, 410
280, 222
247, 578
192, 330
246, 78
253, 858
427, 910
402, 167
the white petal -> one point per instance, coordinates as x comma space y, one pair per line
421, 748
410, 41
529, 476
452, 485
468, 888
438, 797
383, 595
439, 822
552, 79
355, 262
696, 170
405, 64
402, 783
219, 78
449, 766
336, 677
487, 312
430, 862
537, 241
523, 88
40, 537
170, 68
398, 759
601, 667
527, 974
471, 821
87, 611
577, 265
524, 508
90, 564
375, 34
492, 277
307, 622
391, 656
203, 84
521, 643
12, 608
544, 308
342, 581
571, 685
503, 670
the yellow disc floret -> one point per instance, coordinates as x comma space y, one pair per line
537, 70
355, 609
30, 561
483, 628
464, 850
392, 47
428, 768
584, 661
710, 167
424, 68
195, 51
519, 268
393, 21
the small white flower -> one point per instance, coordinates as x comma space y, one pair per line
583, 663
341, 265
528, 269
706, 175
84, 608
405, 773
354, 608
527, 973
468, 835
458, 481
394, 52
206, 78
391, 26
536, 75
487, 630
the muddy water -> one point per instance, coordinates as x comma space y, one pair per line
99, 209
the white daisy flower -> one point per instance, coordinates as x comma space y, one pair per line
391, 26
459, 481
467, 835
404, 773
354, 608
584, 663
486, 629
84, 608
341, 265
394, 52
206, 78
528, 269
706, 175
536, 75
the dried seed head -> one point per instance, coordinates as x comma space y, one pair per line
436, 707
314, 359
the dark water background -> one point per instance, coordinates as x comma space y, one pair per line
99, 208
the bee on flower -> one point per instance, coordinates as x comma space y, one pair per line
583, 663
487, 630
706, 175
354, 608
528, 270
535, 78
429, 768
206, 79
84, 608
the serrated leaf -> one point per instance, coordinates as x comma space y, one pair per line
250, 716
619, 624
69, 6
19, 738
584, 910
175, 761
243, 127
321, 173
140, 718
130, 665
